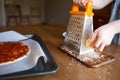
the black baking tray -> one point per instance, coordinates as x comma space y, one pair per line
41, 67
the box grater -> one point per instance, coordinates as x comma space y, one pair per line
79, 29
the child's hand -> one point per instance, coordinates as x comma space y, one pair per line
101, 37
81, 3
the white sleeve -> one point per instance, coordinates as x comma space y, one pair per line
99, 4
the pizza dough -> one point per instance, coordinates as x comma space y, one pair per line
11, 52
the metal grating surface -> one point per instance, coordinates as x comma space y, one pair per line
74, 31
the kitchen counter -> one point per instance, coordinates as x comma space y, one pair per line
68, 68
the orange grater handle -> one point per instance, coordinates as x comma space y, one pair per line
88, 11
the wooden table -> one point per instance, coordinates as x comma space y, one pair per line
69, 68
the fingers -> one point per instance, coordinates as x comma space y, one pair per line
96, 42
78, 2
85, 2
93, 38
101, 47
81, 3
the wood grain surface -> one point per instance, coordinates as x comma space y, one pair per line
69, 68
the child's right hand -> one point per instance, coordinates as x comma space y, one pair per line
102, 37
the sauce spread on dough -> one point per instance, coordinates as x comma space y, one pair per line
10, 51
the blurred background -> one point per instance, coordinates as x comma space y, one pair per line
29, 12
